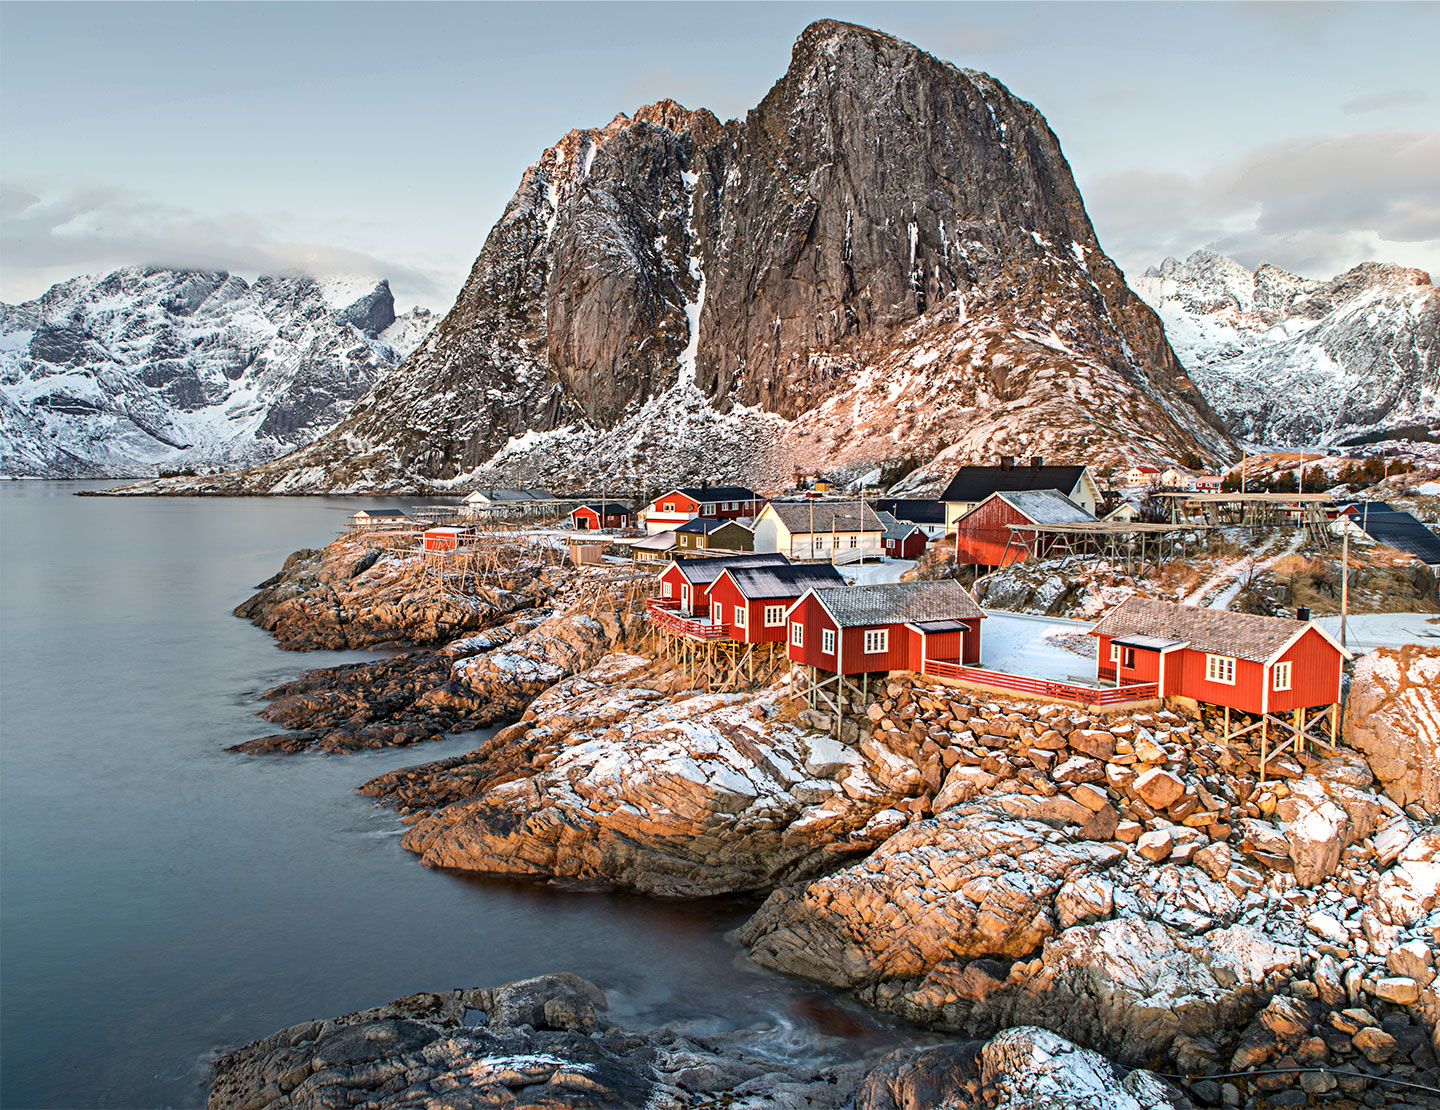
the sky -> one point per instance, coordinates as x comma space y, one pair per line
384, 139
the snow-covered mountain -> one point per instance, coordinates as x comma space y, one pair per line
885, 260
1288, 361
147, 368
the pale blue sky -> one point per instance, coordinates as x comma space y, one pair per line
386, 138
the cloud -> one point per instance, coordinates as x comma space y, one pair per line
1395, 98
1315, 206
53, 231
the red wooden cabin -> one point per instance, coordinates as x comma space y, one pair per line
891, 627
672, 509
446, 537
687, 582
751, 601
905, 541
1253, 664
983, 535
596, 516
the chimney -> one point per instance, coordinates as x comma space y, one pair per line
1007, 462
1037, 461
1302, 613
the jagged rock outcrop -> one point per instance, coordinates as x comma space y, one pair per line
1393, 716
148, 368
1287, 360
887, 256
546, 1043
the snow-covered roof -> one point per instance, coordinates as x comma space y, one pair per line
660, 541
1046, 506
899, 603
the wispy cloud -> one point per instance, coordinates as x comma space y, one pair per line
1316, 206
1375, 102
50, 231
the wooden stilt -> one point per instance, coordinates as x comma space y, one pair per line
1264, 745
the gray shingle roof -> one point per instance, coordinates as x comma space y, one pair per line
701, 572
900, 603
1217, 631
792, 580
830, 516
1047, 506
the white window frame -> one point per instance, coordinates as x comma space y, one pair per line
877, 641
1220, 668
668, 507
797, 634
708, 509
1282, 675
665, 590
1115, 654
854, 541
774, 616
827, 641
740, 615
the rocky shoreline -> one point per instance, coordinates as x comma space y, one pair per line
970, 865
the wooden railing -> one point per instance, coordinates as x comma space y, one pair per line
665, 613
1043, 687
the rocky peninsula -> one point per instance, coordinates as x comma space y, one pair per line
1045, 883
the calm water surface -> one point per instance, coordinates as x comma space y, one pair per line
162, 900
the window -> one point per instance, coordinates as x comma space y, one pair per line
709, 509
775, 616
827, 641
665, 589
797, 633
669, 506
1115, 654
877, 640
1282, 676
1220, 668
1129, 657
854, 541
740, 616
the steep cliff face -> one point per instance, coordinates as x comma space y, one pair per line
148, 367
1289, 361
887, 257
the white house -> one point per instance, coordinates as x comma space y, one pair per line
1175, 477
832, 531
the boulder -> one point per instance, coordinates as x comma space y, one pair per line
1392, 715
1158, 788
1317, 830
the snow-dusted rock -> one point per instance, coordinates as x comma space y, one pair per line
146, 368
1034, 1069
1393, 716
1411, 887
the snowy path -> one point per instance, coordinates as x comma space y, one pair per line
1217, 591
1018, 643
1367, 631
874, 574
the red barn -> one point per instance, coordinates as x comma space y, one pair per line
687, 581
891, 627
445, 538
673, 509
1259, 665
751, 601
905, 541
983, 536
595, 516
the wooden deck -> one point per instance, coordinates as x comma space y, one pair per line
1088, 696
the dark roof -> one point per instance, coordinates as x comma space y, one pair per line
900, 529
610, 508
701, 572
1147, 643
900, 603
707, 524
1217, 631
380, 512
791, 580
931, 627
717, 493
1401, 531
914, 510
975, 483
827, 516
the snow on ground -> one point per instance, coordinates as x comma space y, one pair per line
1367, 631
1027, 645
874, 574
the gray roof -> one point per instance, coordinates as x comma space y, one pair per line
1401, 531
900, 529
786, 580
1216, 631
1148, 643
900, 603
931, 627
707, 524
611, 508
701, 572
917, 510
1046, 506
380, 512
660, 541
498, 495
829, 516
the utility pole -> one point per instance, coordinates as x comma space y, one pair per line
812, 529
1344, 582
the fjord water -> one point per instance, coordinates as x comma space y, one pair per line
163, 900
